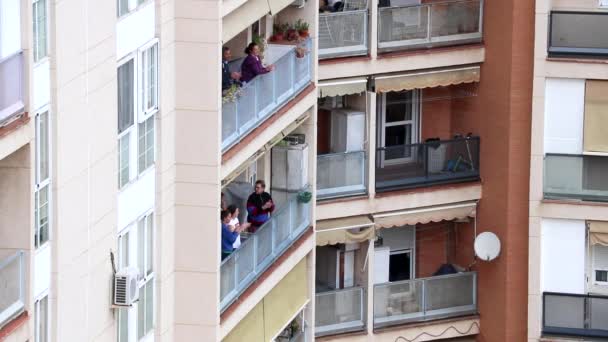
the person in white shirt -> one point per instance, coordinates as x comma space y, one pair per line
233, 210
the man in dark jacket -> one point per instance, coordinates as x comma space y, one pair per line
228, 78
259, 206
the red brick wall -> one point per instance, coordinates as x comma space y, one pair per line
436, 114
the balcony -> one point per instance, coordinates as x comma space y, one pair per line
429, 163
12, 285
262, 248
257, 100
340, 174
430, 25
343, 34
340, 311
578, 177
11, 87
425, 299
575, 315
578, 33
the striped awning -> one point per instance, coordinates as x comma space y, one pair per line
427, 79
344, 86
344, 230
425, 215
598, 233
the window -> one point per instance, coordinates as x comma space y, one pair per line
600, 264
136, 248
122, 7
39, 18
149, 79
42, 320
398, 127
126, 95
123, 160
145, 154
42, 192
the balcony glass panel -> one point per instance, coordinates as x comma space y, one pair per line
436, 162
575, 314
260, 249
576, 177
428, 25
425, 299
339, 311
11, 87
340, 174
265, 94
343, 34
578, 33
12, 285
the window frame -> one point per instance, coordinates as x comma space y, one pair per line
595, 282
35, 30
144, 113
146, 277
41, 184
143, 133
37, 317
129, 130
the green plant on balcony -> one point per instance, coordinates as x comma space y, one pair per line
302, 27
278, 31
304, 196
232, 94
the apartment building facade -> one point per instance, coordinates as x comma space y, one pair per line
386, 133
567, 287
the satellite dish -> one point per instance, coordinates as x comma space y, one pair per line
487, 246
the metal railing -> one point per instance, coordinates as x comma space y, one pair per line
575, 314
579, 177
343, 34
578, 33
339, 311
425, 299
265, 94
431, 24
340, 174
262, 248
12, 287
11, 87
436, 162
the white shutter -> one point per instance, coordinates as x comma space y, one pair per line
564, 112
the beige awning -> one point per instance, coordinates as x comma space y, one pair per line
430, 79
345, 86
596, 116
277, 6
242, 17
425, 215
598, 233
344, 230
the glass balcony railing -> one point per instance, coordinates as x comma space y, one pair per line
429, 25
12, 287
429, 163
343, 34
578, 33
265, 94
578, 177
11, 87
339, 311
261, 249
425, 299
575, 315
340, 174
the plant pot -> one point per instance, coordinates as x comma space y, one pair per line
303, 33
292, 34
304, 196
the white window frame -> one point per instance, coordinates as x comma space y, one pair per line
132, 5
133, 245
414, 122
35, 49
142, 71
41, 184
131, 131
594, 268
41, 297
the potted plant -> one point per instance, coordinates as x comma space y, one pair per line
292, 33
301, 49
304, 196
233, 93
278, 34
302, 28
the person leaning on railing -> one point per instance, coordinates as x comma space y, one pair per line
252, 65
228, 78
259, 206
230, 233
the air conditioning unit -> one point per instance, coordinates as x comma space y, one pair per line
298, 3
126, 289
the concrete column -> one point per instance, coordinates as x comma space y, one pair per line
189, 172
373, 28
371, 144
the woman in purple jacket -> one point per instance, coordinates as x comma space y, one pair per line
252, 66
